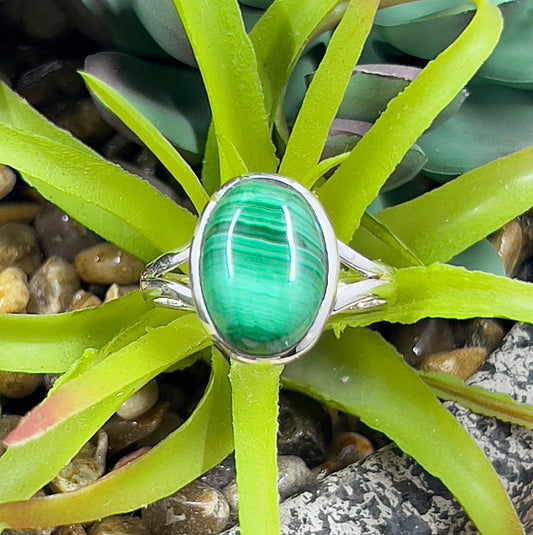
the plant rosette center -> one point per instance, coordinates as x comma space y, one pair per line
264, 267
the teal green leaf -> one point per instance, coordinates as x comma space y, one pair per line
52, 343
444, 291
480, 257
320, 104
362, 375
372, 87
477, 399
172, 98
79, 407
254, 397
463, 211
499, 116
106, 199
228, 65
200, 443
358, 179
152, 138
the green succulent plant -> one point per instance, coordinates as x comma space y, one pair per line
108, 353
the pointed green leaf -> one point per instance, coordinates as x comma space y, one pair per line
325, 92
357, 181
200, 443
363, 375
228, 65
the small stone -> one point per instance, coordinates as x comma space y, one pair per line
52, 287
60, 235
419, 340
461, 363
18, 212
44, 21
123, 433
18, 247
105, 264
8, 179
14, 291
169, 423
221, 475
82, 119
18, 385
8, 422
487, 333
140, 402
51, 81
82, 300
120, 525
130, 457
293, 475
115, 291
508, 243
72, 529
304, 428
258, 311
197, 509
346, 448
86, 467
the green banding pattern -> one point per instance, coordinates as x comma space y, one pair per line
263, 267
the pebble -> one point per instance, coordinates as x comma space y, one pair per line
120, 525
8, 422
105, 264
18, 247
86, 467
304, 428
169, 423
508, 243
82, 119
293, 477
44, 21
82, 300
347, 448
130, 457
123, 433
461, 363
197, 509
487, 333
14, 291
419, 340
18, 385
52, 287
8, 179
60, 235
221, 475
144, 399
115, 291
72, 529
21, 212
49, 82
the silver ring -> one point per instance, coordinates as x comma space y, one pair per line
263, 270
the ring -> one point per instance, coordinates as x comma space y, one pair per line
263, 270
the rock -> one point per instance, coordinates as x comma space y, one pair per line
8, 422
72, 529
82, 119
304, 428
130, 457
417, 341
44, 21
106, 264
221, 475
462, 362
52, 81
60, 235
169, 423
18, 247
390, 494
140, 402
487, 333
8, 179
52, 287
197, 509
123, 433
82, 300
346, 448
14, 291
115, 291
120, 525
18, 385
508, 243
18, 212
86, 467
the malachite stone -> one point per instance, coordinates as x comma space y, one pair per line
263, 267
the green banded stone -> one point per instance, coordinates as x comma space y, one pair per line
263, 267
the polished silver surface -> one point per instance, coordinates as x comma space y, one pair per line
177, 291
